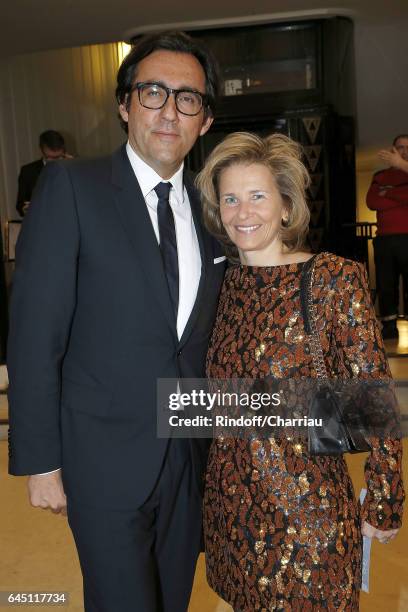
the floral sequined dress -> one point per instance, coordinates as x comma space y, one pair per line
282, 528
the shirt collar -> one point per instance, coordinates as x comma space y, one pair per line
148, 178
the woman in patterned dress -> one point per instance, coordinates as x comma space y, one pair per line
283, 530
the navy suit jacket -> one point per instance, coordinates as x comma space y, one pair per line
27, 180
92, 329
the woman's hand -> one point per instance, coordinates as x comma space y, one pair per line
382, 536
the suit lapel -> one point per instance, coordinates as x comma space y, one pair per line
205, 246
137, 224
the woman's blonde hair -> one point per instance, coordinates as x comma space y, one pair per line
283, 157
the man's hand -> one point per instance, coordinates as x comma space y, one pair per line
46, 491
382, 536
393, 158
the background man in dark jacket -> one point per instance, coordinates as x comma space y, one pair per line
52, 147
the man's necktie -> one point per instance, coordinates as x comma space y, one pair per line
168, 242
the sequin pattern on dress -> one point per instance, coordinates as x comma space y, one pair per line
282, 528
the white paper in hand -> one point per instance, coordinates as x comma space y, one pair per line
365, 569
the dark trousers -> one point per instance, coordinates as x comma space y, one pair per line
142, 560
391, 261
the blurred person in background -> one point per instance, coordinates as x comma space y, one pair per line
388, 196
52, 146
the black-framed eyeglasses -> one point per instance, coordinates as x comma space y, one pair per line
155, 95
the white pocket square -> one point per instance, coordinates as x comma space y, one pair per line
219, 259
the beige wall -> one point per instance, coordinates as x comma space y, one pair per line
72, 90
382, 101
69, 90
382, 81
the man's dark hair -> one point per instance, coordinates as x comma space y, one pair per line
52, 139
173, 40
394, 142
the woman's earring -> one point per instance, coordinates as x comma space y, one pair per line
285, 222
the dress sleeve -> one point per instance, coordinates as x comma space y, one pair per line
361, 350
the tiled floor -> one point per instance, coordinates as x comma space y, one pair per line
37, 552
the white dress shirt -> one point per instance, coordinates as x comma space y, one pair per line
189, 258
188, 250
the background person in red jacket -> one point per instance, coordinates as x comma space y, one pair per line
388, 195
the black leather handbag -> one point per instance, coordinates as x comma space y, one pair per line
342, 430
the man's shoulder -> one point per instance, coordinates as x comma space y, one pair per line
391, 176
81, 164
34, 166
380, 173
90, 168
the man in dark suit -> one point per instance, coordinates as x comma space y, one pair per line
52, 147
114, 288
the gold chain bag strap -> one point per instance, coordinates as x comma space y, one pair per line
335, 437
